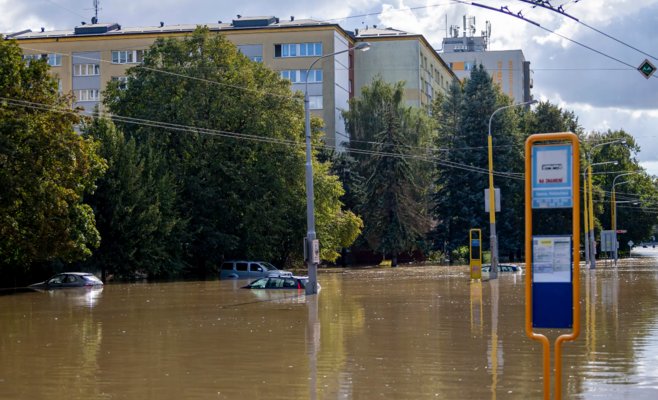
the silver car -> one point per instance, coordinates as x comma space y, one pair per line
245, 269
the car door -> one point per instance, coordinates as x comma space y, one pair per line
256, 270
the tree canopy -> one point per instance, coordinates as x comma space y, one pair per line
230, 133
46, 168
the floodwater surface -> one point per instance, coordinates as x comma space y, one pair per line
404, 333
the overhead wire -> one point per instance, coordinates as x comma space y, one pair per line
242, 136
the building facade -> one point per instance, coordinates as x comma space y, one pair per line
86, 58
401, 56
89, 56
508, 68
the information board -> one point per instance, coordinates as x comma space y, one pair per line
551, 259
608, 241
552, 287
551, 176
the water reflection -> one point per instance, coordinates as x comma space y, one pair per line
406, 333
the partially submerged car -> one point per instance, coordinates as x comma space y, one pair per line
245, 269
280, 280
503, 268
69, 280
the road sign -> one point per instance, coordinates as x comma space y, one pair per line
496, 199
608, 240
551, 176
630, 243
646, 68
622, 231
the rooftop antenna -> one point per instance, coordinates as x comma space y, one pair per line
96, 8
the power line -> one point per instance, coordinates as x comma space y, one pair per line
243, 136
560, 10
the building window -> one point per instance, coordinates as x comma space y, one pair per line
315, 102
60, 89
298, 49
127, 56
298, 75
55, 60
123, 82
86, 69
87, 95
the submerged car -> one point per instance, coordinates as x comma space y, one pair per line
69, 280
282, 280
503, 268
245, 269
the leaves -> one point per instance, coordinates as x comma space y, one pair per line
45, 168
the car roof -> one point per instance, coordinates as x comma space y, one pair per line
75, 273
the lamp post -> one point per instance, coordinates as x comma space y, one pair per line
613, 209
493, 240
585, 209
312, 247
592, 243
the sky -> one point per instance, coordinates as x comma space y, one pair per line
597, 79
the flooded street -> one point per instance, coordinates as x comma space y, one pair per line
405, 333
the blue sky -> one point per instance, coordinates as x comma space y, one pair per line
603, 92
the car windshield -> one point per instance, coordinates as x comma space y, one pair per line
269, 266
259, 284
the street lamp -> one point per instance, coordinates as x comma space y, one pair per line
312, 246
585, 213
493, 240
592, 243
613, 208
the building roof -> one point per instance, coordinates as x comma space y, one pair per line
378, 32
114, 29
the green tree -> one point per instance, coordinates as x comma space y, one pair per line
462, 117
234, 145
135, 209
636, 198
388, 138
45, 168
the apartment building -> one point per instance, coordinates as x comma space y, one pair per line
508, 68
87, 57
396, 56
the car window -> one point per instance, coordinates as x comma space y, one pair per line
70, 279
241, 266
269, 266
289, 283
227, 266
56, 279
92, 278
256, 267
259, 284
275, 283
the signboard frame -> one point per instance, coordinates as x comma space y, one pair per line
534, 298
475, 260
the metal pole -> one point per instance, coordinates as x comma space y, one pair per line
312, 285
614, 222
493, 239
614, 209
585, 219
592, 242
592, 253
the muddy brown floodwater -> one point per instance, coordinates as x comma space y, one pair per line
405, 333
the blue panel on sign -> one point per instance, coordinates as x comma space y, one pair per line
552, 305
475, 242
